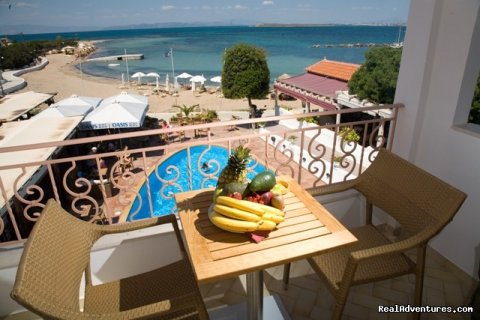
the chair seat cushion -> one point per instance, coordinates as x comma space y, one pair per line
174, 280
331, 265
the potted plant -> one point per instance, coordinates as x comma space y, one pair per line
349, 135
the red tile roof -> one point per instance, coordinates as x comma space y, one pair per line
320, 85
334, 69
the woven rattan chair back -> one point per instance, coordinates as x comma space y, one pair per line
57, 255
54, 259
418, 200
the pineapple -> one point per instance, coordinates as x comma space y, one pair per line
235, 171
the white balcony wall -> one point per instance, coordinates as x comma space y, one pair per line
438, 72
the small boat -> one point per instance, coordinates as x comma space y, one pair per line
113, 64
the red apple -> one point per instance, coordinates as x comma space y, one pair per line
267, 197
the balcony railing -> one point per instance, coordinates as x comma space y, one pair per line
102, 187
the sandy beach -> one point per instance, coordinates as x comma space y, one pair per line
62, 77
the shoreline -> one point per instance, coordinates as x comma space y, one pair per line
63, 77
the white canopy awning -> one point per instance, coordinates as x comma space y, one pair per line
14, 106
76, 105
116, 115
126, 97
32, 131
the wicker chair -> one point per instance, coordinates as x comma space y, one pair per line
421, 203
57, 254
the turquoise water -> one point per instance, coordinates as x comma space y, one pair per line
199, 50
174, 178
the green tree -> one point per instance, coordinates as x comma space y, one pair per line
245, 73
376, 79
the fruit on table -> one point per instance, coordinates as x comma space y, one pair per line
278, 201
262, 182
255, 197
266, 197
232, 187
235, 213
257, 208
235, 170
216, 193
232, 225
273, 217
280, 187
243, 216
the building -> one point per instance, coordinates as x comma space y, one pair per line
319, 85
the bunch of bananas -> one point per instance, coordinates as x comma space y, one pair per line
241, 216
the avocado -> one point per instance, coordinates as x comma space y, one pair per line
264, 181
233, 187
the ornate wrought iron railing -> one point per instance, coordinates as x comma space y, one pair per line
105, 186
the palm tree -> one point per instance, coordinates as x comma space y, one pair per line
186, 110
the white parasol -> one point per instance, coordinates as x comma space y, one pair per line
76, 105
216, 79
139, 75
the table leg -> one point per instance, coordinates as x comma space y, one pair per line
255, 295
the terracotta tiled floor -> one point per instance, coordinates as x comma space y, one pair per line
308, 298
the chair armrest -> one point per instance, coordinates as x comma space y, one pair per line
136, 225
332, 188
395, 247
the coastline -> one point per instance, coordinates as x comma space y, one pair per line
62, 77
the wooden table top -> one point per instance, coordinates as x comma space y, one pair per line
308, 229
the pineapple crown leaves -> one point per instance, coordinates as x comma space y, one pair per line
238, 160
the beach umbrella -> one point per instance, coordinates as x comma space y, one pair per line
200, 79
196, 79
156, 76
153, 74
115, 115
139, 75
76, 105
126, 97
216, 79
184, 75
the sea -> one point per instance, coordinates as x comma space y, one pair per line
199, 50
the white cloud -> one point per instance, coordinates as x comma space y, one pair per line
267, 2
239, 6
167, 7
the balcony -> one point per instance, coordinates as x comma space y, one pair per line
103, 187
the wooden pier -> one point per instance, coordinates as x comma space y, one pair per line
136, 56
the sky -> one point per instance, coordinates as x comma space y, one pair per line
107, 13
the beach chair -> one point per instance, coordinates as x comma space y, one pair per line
421, 203
57, 256
201, 131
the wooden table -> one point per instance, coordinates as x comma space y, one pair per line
308, 229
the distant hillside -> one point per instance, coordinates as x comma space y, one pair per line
35, 29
